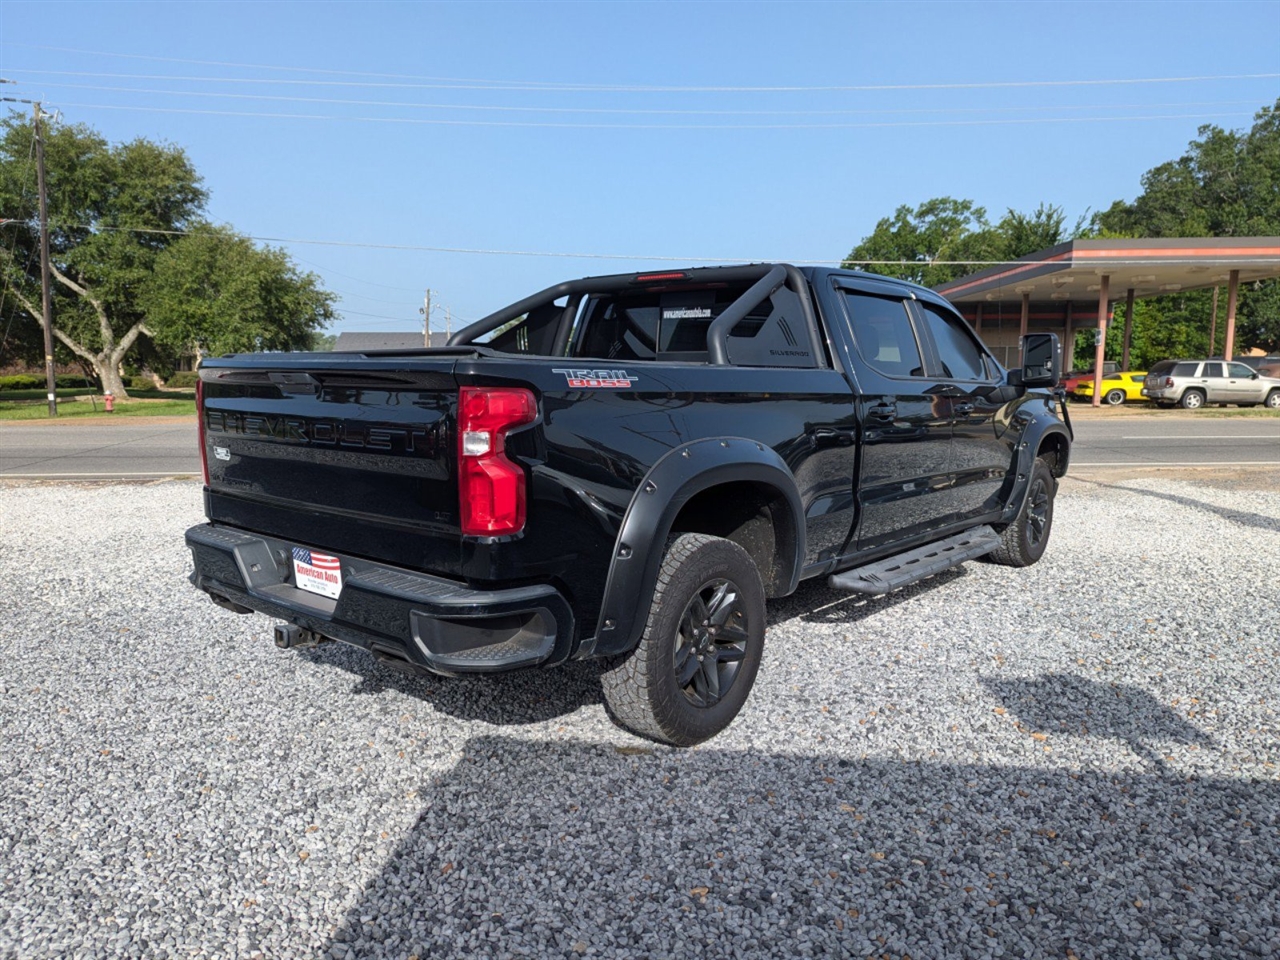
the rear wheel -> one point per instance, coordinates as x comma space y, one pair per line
1023, 542
1114, 397
1192, 400
697, 660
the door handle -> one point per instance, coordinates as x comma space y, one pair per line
883, 411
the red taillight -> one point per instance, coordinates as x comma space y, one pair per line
1168, 381
204, 453
491, 489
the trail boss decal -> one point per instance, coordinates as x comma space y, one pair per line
586, 379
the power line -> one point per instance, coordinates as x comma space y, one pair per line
379, 316
372, 283
446, 83
1078, 262
419, 121
359, 296
640, 112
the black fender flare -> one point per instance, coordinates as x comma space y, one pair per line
1033, 440
682, 473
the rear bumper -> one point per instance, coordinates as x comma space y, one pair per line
438, 624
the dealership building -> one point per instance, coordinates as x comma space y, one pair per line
1068, 288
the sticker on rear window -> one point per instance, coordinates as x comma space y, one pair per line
587, 379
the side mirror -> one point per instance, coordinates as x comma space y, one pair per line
1041, 360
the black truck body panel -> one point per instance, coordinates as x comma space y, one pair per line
846, 459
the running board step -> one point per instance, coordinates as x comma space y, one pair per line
906, 568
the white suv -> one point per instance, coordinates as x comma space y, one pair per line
1193, 383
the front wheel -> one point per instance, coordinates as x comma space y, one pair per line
1023, 542
697, 659
1273, 400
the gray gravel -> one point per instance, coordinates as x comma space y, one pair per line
1075, 760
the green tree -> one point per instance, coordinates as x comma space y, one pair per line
137, 271
946, 229
112, 210
1024, 233
215, 291
1227, 184
941, 229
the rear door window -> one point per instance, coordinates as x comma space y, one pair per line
1212, 370
883, 334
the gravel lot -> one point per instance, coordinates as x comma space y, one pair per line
1075, 760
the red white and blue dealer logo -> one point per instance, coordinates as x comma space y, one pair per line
587, 379
317, 572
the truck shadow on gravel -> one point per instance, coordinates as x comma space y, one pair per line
516, 698
564, 849
1256, 520
535, 696
1068, 705
815, 602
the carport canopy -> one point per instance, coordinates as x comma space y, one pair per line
1075, 282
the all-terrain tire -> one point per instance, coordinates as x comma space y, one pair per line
705, 582
1023, 542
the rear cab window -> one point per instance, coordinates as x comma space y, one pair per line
671, 325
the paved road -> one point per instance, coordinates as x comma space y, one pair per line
100, 449
1174, 439
163, 447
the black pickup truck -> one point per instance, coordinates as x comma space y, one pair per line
624, 468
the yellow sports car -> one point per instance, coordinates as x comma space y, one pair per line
1116, 387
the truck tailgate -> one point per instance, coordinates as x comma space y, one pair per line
354, 458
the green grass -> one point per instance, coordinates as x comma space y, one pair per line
1150, 409
39, 394
1256, 412
82, 408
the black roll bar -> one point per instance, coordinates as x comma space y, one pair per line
717, 350
768, 278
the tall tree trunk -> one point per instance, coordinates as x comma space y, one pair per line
112, 383
105, 364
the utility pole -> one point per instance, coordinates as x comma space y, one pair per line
448, 322
46, 300
426, 319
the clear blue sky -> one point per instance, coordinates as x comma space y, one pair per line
485, 137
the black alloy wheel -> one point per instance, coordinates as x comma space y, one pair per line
711, 643
1039, 510
1023, 541
697, 658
